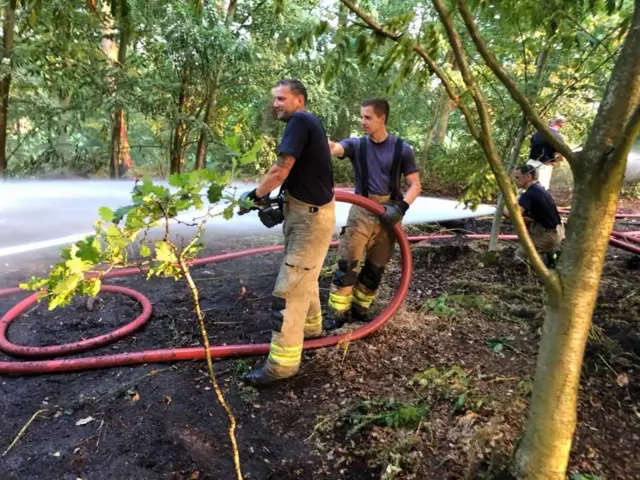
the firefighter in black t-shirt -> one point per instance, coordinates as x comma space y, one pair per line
541, 214
304, 166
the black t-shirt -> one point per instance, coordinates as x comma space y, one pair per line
541, 149
311, 178
539, 206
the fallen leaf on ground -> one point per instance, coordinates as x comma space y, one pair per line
84, 421
622, 379
131, 395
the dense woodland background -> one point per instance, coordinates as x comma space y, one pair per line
133, 87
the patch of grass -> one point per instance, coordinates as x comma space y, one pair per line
584, 476
439, 306
241, 366
385, 413
248, 394
450, 384
499, 344
444, 305
446, 380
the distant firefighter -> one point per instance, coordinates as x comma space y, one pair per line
541, 214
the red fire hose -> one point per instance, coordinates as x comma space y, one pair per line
193, 353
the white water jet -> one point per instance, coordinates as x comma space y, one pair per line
35, 215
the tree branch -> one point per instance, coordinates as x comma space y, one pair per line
574, 82
631, 131
447, 84
622, 95
525, 61
550, 280
516, 94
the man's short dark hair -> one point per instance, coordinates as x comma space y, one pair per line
526, 169
295, 86
380, 106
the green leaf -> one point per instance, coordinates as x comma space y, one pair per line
121, 212
194, 178
67, 286
164, 252
232, 144
227, 213
460, 402
92, 287
176, 180
145, 251
214, 193
250, 155
106, 214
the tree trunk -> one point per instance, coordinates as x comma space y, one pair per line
544, 452
201, 150
5, 82
119, 151
438, 129
514, 154
598, 174
179, 134
62, 140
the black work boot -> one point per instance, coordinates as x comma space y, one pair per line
360, 314
333, 321
259, 378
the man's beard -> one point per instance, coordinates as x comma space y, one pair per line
283, 115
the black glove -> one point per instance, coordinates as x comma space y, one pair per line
250, 196
394, 213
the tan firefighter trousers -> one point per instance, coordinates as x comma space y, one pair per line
355, 285
545, 240
296, 302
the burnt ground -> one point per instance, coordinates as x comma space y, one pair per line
438, 392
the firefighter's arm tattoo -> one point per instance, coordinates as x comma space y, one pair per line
276, 175
285, 162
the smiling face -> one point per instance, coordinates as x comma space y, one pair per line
286, 102
370, 122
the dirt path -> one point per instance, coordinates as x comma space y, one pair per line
439, 392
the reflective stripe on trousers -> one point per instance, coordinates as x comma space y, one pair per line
296, 300
363, 232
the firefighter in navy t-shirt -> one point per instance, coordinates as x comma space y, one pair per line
379, 160
541, 214
304, 166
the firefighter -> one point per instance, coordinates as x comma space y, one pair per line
379, 161
303, 168
543, 155
541, 215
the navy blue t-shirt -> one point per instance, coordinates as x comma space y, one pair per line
311, 178
379, 162
541, 149
539, 206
